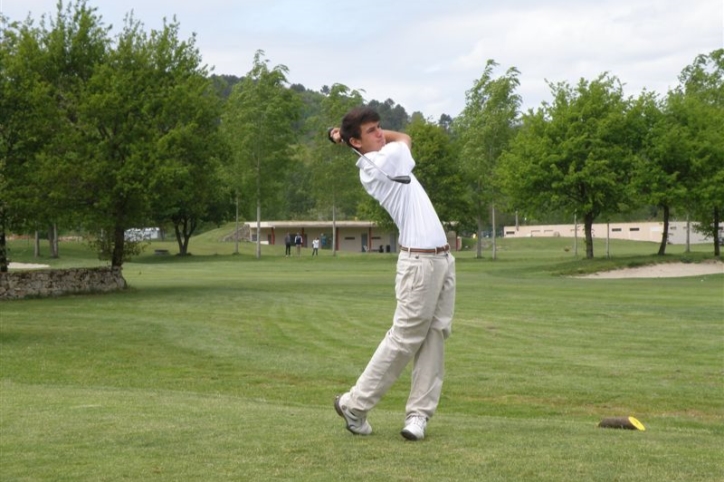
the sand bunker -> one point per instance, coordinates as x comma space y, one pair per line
27, 266
664, 270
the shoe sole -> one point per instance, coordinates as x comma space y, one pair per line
410, 436
339, 411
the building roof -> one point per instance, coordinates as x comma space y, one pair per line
310, 224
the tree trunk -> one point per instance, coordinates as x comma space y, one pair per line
665, 234
588, 229
53, 240
179, 238
236, 235
184, 228
479, 208
3, 244
717, 239
492, 214
575, 235
117, 246
36, 245
334, 226
258, 229
258, 207
479, 247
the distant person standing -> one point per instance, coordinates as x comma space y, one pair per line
288, 245
315, 247
298, 243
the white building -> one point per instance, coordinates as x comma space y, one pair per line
643, 231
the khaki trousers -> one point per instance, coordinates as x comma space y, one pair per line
425, 290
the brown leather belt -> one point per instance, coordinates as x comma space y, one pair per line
438, 250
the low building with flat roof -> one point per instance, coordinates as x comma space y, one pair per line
352, 236
643, 231
359, 236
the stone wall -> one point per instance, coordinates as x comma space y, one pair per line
57, 282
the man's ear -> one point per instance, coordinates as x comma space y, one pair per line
354, 142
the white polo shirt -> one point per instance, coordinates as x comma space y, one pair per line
408, 204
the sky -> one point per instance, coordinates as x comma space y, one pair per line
425, 54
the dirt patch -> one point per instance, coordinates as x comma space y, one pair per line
664, 270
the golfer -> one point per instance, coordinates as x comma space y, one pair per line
424, 284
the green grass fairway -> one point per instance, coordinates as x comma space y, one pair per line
221, 367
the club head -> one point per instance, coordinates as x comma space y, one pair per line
400, 179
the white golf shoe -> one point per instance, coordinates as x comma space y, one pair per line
414, 428
357, 424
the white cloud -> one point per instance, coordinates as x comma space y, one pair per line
425, 54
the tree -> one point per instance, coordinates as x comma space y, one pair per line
698, 103
74, 42
193, 150
661, 164
395, 116
259, 119
336, 179
43, 70
188, 146
438, 171
569, 155
129, 132
28, 122
485, 128
446, 122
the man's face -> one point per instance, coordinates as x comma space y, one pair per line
372, 138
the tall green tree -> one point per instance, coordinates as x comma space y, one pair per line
132, 119
28, 122
188, 143
438, 170
334, 177
75, 42
259, 121
698, 103
485, 129
661, 164
36, 105
573, 155
336, 165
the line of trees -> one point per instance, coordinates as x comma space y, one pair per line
102, 134
106, 134
594, 153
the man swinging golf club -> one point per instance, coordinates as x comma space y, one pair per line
424, 284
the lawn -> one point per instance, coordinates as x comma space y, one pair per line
221, 367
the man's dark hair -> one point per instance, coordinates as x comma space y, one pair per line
352, 122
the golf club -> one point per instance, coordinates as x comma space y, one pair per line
400, 179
